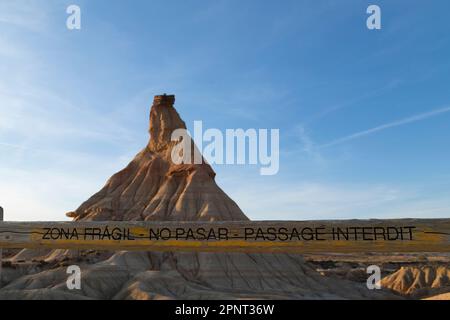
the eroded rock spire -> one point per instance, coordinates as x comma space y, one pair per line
152, 187
164, 119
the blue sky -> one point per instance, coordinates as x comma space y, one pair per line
364, 116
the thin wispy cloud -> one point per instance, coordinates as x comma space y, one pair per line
28, 15
354, 101
309, 146
416, 118
10, 145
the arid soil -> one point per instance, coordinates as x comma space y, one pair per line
413, 276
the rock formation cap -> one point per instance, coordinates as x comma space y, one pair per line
164, 100
164, 120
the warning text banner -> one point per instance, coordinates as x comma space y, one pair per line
404, 235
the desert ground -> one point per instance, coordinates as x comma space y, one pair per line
121, 275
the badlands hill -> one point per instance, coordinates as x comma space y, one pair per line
420, 281
151, 187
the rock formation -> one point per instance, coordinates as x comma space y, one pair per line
151, 187
420, 281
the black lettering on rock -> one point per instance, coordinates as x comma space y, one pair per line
211, 234
260, 234
294, 233
64, 234
389, 237
282, 234
55, 234
410, 232
319, 233
46, 235
248, 232
128, 235
168, 234
179, 232
307, 234
87, 232
400, 231
223, 233
367, 232
271, 234
96, 233
74, 234
340, 232
202, 233
116, 234
190, 234
379, 231
355, 232
106, 234
152, 234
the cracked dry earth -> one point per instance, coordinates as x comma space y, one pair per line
151, 187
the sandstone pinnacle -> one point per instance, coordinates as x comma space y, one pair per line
152, 187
